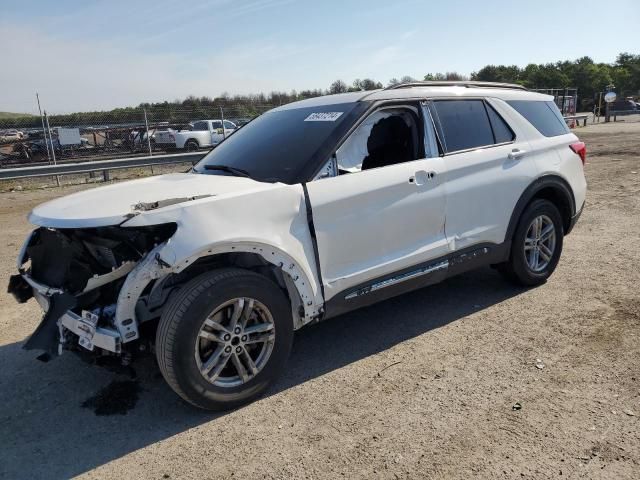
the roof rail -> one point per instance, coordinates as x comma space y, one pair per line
456, 83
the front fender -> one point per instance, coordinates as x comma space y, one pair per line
297, 270
270, 221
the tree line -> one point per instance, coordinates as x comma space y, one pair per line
587, 76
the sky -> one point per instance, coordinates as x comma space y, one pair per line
83, 55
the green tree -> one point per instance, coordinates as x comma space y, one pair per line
430, 77
338, 87
498, 73
626, 74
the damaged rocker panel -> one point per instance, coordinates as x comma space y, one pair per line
398, 279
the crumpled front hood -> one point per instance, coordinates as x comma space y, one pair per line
113, 204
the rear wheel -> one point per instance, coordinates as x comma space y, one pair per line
191, 146
536, 246
224, 338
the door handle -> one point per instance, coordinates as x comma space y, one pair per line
421, 177
516, 154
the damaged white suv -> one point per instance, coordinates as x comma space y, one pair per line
313, 209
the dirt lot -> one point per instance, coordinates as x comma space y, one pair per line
421, 386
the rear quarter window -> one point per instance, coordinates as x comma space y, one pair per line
544, 116
501, 130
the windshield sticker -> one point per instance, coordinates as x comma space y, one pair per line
323, 117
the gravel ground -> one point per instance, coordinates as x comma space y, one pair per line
421, 386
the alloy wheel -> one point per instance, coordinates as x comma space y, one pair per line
235, 342
540, 243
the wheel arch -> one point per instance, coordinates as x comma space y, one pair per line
549, 187
265, 259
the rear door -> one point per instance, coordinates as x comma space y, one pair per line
216, 132
229, 128
487, 169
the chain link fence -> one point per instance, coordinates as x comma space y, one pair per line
142, 131
51, 138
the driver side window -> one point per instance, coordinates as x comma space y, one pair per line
386, 137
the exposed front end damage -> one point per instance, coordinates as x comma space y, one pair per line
77, 277
105, 262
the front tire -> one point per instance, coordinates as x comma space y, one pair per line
224, 338
536, 246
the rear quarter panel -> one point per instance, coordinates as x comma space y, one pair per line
552, 155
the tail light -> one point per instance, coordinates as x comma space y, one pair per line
581, 149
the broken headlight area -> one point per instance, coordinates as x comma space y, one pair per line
67, 259
76, 276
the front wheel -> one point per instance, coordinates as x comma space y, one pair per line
224, 337
536, 246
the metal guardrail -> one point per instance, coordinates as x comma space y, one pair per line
577, 118
622, 113
98, 166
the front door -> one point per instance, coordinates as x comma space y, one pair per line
372, 224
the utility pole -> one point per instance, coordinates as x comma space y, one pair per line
146, 123
224, 135
44, 133
53, 150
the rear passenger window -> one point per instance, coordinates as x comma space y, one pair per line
463, 124
501, 130
545, 116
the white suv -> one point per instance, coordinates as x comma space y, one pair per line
313, 209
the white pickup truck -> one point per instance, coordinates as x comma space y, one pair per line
201, 134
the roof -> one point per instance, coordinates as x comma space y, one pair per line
456, 83
326, 100
425, 90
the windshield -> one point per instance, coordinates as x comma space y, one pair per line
283, 145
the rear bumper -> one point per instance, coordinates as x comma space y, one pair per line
574, 220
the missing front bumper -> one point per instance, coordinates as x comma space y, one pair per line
89, 335
52, 334
19, 288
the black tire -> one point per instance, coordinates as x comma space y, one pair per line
191, 146
517, 269
183, 317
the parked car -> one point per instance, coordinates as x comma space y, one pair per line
11, 136
623, 106
312, 210
203, 134
164, 138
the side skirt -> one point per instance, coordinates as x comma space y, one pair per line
416, 277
